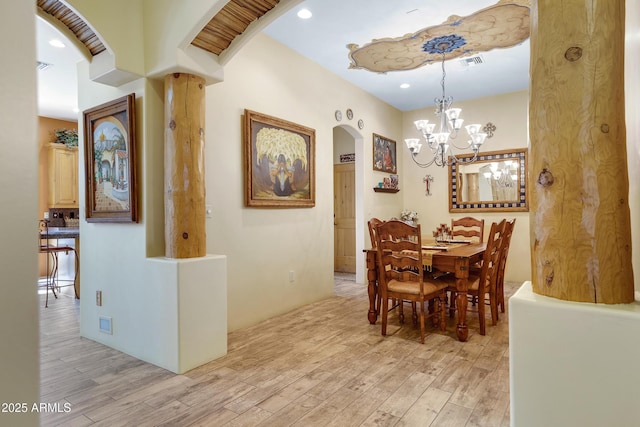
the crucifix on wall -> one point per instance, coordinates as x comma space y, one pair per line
428, 179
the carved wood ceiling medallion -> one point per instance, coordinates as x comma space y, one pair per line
502, 25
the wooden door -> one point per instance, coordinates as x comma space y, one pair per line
344, 212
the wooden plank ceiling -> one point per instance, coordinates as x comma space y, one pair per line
75, 24
232, 20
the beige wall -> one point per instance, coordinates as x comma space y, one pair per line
509, 113
632, 94
19, 367
263, 245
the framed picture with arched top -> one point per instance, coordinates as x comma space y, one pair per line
109, 145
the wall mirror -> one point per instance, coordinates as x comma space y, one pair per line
496, 181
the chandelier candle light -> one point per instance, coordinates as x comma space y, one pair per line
440, 142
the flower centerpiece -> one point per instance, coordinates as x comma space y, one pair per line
409, 216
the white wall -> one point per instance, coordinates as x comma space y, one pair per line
571, 363
509, 113
19, 367
112, 255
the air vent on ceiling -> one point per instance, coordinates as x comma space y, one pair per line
471, 61
43, 65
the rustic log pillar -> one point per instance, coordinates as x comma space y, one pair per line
184, 187
580, 219
473, 187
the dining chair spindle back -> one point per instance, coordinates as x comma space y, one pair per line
401, 274
506, 244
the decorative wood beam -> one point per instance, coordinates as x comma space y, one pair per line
185, 234
580, 218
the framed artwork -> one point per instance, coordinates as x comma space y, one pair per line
384, 154
393, 180
109, 145
279, 162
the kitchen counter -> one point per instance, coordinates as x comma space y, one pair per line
61, 233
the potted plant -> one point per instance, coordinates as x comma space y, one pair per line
69, 137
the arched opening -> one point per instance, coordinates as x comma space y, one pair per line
349, 175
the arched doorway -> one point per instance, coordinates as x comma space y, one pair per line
348, 201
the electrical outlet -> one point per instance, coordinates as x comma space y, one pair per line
45, 215
99, 298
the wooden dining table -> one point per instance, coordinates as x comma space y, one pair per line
457, 259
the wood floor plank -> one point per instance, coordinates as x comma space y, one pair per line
380, 419
490, 411
452, 416
426, 408
360, 409
329, 409
292, 392
407, 394
292, 412
319, 365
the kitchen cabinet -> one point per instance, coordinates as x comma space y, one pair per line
63, 176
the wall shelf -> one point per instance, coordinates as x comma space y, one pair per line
385, 190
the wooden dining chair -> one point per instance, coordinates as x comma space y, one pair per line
51, 252
399, 251
373, 223
468, 227
482, 284
506, 243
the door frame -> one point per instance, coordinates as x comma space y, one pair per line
358, 141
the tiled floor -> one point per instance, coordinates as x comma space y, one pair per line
319, 365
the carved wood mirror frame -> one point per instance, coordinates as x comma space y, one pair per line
520, 203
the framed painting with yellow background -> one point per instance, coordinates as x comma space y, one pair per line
109, 137
279, 162
384, 154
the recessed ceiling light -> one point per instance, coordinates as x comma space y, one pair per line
56, 43
304, 14
405, 85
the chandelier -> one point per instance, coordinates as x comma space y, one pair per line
503, 174
440, 143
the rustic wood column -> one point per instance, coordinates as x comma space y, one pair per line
184, 187
473, 187
580, 219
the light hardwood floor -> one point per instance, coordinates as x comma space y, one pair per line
320, 365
